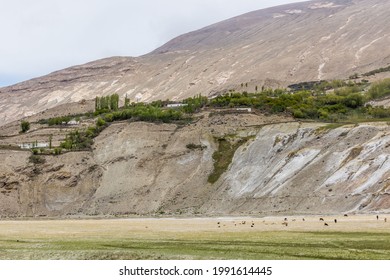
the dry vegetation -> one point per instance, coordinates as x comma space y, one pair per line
357, 237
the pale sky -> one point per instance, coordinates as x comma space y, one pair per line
42, 36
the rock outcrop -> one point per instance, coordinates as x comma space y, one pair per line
148, 169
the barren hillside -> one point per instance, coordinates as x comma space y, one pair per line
272, 47
280, 167
242, 154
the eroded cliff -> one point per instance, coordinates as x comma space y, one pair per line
281, 167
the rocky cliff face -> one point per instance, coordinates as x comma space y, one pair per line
301, 168
140, 168
272, 47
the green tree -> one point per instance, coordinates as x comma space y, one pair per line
97, 103
50, 141
104, 104
114, 102
127, 101
57, 151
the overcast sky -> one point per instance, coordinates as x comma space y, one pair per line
42, 36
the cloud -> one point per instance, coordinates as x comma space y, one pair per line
46, 35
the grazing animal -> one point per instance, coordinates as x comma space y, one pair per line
285, 223
285, 219
345, 215
321, 219
377, 217
303, 219
335, 221
325, 224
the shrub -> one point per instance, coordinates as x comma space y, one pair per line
25, 126
91, 131
35, 159
380, 89
100, 122
376, 71
109, 117
59, 120
379, 112
193, 146
77, 141
354, 76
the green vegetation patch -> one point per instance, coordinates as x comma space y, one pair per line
62, 120
211, 245
223, 156
376, 71
24, 126
192, 146
380, 89
36, 159
354, 153
328, 127
77, 140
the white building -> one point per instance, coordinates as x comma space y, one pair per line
33, 145
176, 105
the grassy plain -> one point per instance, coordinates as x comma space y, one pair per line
357, 237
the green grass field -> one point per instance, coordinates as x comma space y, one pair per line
117, 241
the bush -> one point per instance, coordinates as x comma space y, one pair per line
91, 131
376, 71
109, 117
378, 112
35, 159
77, 141
25, 126
59, 120
193, 146
298, 114
380, 89
100, 122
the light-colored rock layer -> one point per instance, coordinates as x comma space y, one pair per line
140, 168
273, 47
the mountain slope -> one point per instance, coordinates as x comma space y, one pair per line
272, 47
142, 168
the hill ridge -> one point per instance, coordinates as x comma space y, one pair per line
275, 47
